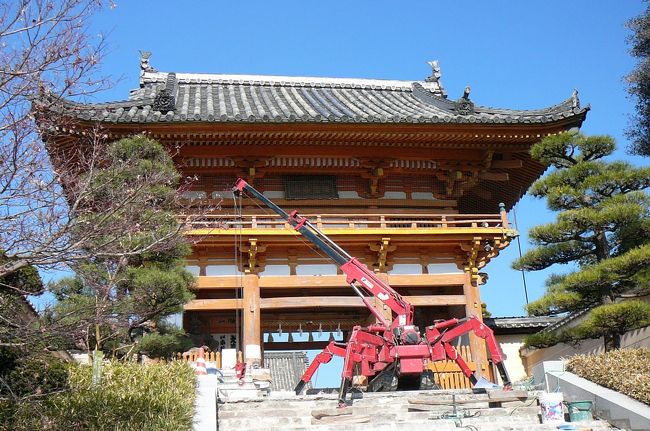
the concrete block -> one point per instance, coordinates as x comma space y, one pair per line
228, 358
540, 370
205, 410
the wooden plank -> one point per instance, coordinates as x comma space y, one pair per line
213, 304
321, 413
502, 396
342, 420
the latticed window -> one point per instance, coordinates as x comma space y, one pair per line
310, 187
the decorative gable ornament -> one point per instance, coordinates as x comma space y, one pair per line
464, 106
164, 101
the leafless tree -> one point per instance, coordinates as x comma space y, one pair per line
45, 48
46, 54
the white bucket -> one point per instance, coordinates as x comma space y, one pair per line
551, 404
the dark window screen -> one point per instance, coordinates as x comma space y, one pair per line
310, 187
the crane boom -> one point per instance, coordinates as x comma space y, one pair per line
358, 276
386, 350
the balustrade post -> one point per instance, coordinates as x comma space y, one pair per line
504, 215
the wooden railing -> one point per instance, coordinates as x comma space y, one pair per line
355, 221
447, 374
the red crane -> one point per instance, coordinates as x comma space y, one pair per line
385, 351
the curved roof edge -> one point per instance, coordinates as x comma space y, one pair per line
169, 97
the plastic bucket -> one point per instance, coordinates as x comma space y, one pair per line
580, 411
551, 404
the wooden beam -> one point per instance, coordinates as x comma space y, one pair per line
435, 300
329, 281
311, 301
228, 282
296, 345
213, 304
354, 301
494, 176
507, 164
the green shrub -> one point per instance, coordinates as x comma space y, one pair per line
156, 345
26, 382
625, 370
541, 339
157, 397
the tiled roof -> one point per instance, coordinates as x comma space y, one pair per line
167, 97
520, 324
286, 369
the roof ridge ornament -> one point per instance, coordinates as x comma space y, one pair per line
165, 99
464, 106
575, 100
145, 66
436, 73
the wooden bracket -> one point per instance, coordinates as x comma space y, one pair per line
382, 250
252, 249
250, 168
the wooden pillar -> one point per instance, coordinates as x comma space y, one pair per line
203, 263
473, 308
251, 320
386, 312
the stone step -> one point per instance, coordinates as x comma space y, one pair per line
374, 399
430, 411
386, 412
437, 425
413, 418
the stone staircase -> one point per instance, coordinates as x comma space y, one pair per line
396, 411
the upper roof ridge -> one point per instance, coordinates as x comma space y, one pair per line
392, 84
149, 75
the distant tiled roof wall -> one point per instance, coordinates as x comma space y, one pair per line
286, 369
525, 324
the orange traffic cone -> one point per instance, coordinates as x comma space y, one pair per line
200, 369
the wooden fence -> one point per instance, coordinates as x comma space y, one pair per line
448, 375
214, 357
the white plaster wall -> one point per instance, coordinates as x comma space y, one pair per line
510, 345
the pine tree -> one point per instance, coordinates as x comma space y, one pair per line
116, 298
602, 226
639, 83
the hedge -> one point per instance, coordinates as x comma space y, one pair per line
625, 370
156, 397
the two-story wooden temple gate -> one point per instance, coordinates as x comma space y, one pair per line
395, 172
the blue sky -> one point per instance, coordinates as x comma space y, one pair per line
526, 54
